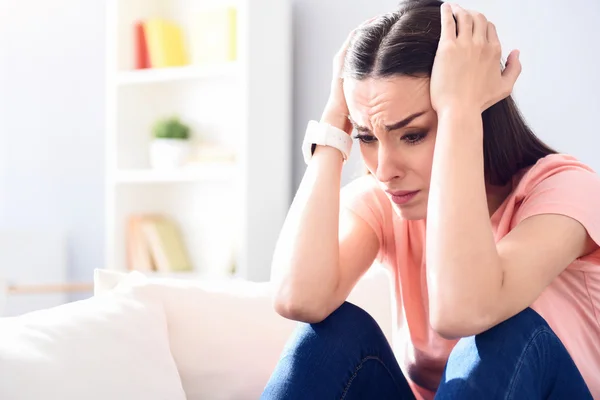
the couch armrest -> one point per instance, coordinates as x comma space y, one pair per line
225, 336
106, 280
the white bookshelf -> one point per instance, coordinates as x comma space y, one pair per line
213, 172
227, 211
158, 75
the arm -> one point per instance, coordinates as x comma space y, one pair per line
320, 254
473, 282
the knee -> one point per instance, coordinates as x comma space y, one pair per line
522, 325
348, 326
518, 330
349, 317
526, 319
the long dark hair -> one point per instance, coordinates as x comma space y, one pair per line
405, 42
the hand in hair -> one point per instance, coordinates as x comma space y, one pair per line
336, 110
466, 72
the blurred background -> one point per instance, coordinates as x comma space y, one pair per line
164, 135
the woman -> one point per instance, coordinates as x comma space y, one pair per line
503, 301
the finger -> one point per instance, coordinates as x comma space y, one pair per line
346, 43
465, 22
448, 23
492, 34
341, 53
353, 32
480, 24
512, 71
367, 22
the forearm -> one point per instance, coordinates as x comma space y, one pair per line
306, 258
463, 269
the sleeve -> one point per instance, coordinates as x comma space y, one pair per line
572, 191
363, 198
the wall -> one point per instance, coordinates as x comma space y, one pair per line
52, 125
557, 90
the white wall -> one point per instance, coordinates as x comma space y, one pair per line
319, 29
52, 123
557, 91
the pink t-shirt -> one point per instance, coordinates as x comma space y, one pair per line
557, 184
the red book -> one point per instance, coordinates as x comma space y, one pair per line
142, 59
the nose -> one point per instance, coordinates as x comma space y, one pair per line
388, 165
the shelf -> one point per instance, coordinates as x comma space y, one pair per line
171, 74
219, 199
204, 173
191, 275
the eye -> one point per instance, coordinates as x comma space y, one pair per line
365, 138
414, 138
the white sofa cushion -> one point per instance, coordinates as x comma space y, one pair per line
225, 336
113, 346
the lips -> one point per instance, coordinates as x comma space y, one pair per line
401, 197
401, 192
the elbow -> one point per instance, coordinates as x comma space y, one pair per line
447, 328
296, 312
296, 308
458, 321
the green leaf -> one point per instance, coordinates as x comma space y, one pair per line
170, 128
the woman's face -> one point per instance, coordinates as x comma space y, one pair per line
396, 127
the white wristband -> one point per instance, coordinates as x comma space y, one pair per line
320, 133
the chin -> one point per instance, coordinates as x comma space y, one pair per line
411, 212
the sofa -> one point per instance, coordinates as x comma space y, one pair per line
152, 337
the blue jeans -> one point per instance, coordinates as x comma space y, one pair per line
347, 357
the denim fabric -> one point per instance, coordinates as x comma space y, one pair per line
520, 358
347, 357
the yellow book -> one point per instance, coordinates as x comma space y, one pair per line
214, 35
165, 42
166, 244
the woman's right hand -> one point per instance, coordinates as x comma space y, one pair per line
336, 109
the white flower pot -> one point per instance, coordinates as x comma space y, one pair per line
169, 153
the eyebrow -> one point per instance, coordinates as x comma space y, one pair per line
397, 125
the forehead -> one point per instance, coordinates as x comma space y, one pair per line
386, 100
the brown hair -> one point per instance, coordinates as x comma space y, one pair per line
405, 42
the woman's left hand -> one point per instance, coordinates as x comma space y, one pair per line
467, 72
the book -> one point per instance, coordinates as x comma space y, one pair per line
138, 252
166, 245
142, 59
213, 35
165, 42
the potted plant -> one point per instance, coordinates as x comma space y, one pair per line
170, 146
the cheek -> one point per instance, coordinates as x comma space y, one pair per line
426, 159
369, 157
418, 159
